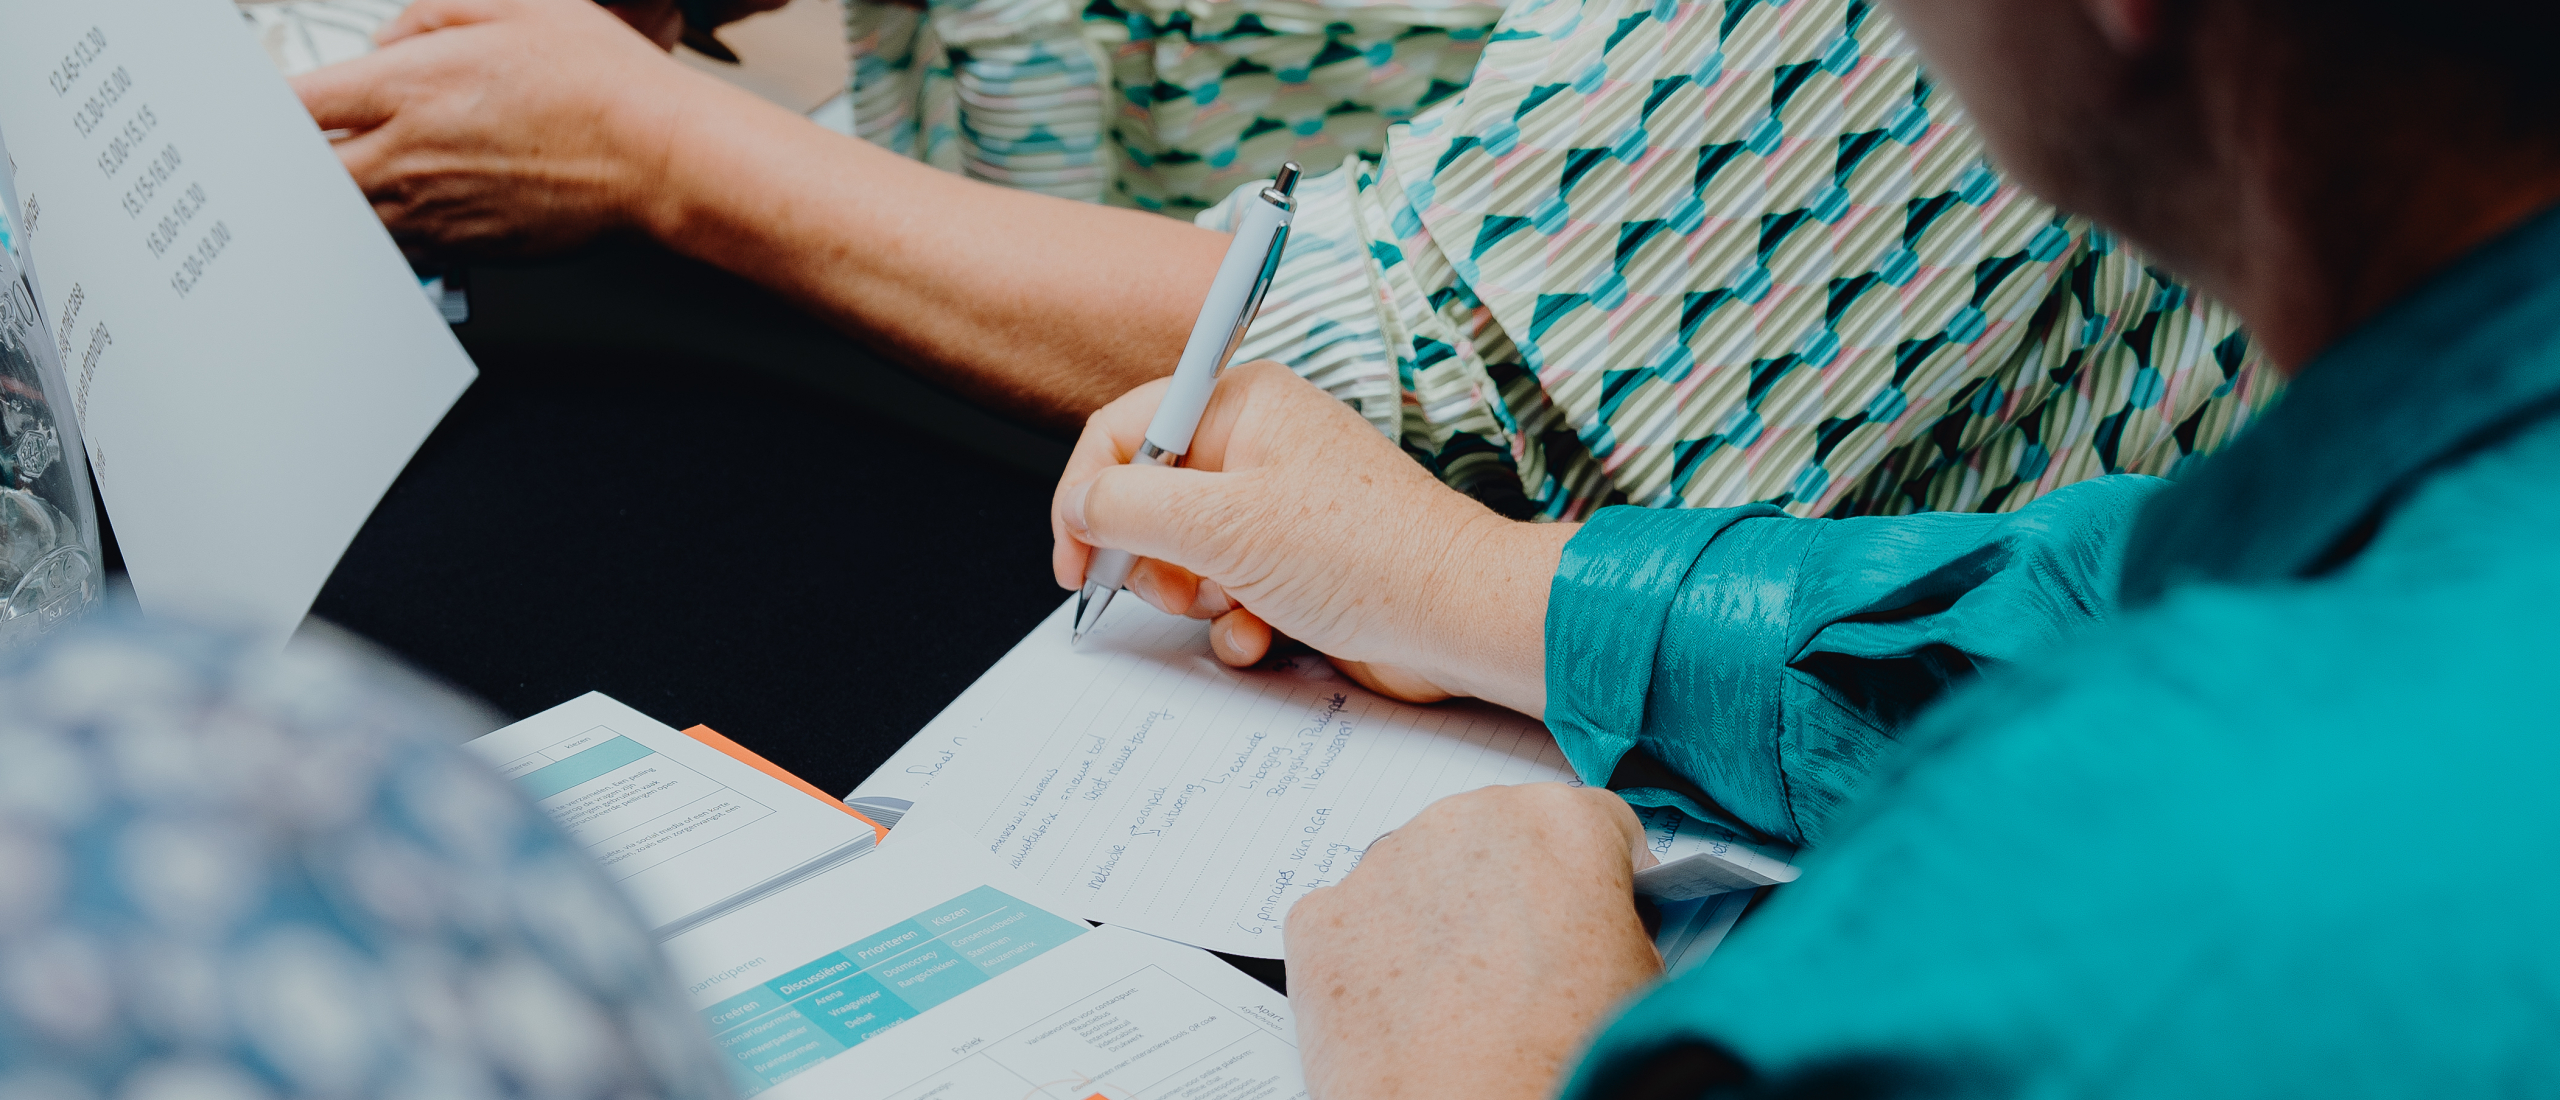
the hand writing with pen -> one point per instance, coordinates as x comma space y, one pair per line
1292, 516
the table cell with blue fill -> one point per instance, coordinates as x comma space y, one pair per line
1002, 933
824, 1007
929, 975
743, 1009
856, 1008
801, 981
879, 947
738, 1013
584, 765
779, 1044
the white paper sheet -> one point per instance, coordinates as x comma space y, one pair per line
1696, 860
686, 830
1693, 929
1136, 781
923, 971
250, 359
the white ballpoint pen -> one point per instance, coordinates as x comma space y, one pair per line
1262, 228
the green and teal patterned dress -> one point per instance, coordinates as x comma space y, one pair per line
1590, 251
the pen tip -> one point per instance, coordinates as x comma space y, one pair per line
1090, 604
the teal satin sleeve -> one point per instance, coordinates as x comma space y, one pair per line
1768, 660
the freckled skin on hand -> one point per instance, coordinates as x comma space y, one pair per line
1378, 957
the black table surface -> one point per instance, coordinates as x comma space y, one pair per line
671, 488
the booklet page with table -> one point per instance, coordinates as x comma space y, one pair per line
802, 948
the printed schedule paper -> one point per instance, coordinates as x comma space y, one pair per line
686, 830
1136, 781
251, 361
925, 972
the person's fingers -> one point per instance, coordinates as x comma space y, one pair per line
1240, 638
365, 157
1175, 590
435, 15
1614, 813
1166, 588
1111, 435
1392, 682
1251, 399
1163, 512
1640, 853
1068, 559
350, 95
1210, 600
1115, 431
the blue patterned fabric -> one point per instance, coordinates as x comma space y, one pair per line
2274, 820
227, 877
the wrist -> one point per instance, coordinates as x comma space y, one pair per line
656, 136
1486, 637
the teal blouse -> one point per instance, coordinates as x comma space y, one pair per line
2253, 796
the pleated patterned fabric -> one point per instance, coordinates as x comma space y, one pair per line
1704, 254
1160, 104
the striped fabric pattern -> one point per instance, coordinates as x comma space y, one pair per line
1703, 254
1159, 104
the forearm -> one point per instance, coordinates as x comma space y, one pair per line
1040, 307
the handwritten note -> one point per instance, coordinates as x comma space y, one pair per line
1141, 783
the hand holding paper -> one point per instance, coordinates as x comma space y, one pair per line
567, 159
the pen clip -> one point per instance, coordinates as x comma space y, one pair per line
1281, 194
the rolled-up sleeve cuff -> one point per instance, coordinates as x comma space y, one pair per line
1608, 611
1767, 660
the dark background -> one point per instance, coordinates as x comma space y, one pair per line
672, 488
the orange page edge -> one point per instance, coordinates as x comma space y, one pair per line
748, 757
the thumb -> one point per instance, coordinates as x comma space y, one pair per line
1160, 512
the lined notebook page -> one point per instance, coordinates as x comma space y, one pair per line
1139, 782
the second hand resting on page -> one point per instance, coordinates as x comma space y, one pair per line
1291, 513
